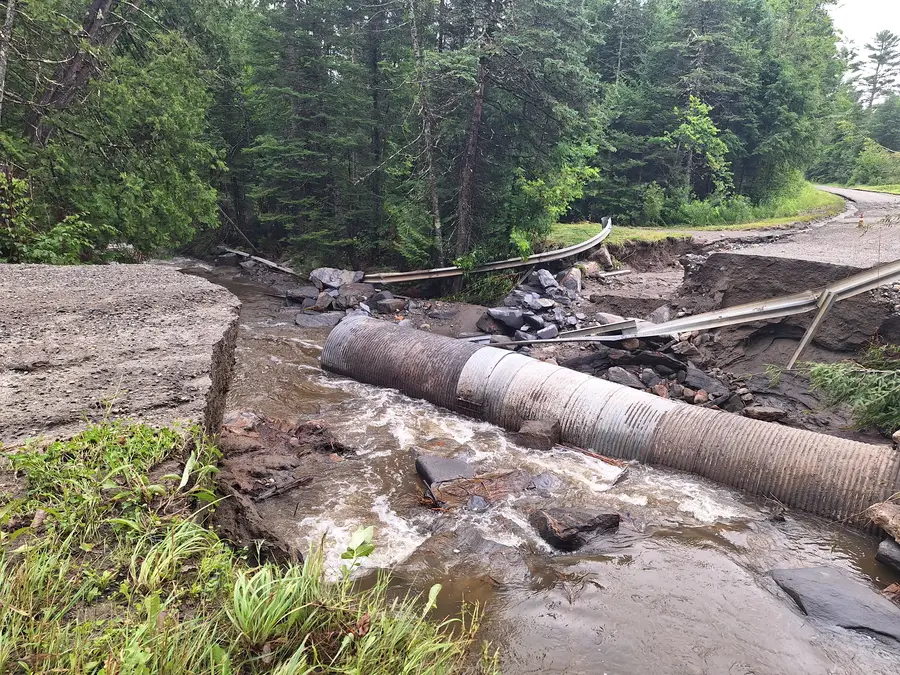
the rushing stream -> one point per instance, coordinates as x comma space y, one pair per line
680, 589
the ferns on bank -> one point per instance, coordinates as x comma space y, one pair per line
870, 386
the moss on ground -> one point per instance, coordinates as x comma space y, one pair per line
107, 567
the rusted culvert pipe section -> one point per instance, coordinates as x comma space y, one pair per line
824, 475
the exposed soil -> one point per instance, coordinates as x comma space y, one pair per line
139, 341
265, 467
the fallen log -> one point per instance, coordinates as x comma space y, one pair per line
262, 261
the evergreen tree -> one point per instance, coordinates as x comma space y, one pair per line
884, 65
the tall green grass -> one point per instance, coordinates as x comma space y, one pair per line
106, 568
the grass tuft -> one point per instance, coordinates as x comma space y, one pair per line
106, 568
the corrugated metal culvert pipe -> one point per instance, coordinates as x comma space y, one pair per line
824, 475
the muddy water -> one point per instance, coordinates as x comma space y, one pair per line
680, 589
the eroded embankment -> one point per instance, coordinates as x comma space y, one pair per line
142, 342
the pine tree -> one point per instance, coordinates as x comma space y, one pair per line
884, 65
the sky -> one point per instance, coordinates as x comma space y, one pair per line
861, 19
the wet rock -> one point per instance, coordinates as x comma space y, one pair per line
546, 280
886, 516
487, 324
350, 295
660, 315
391, 306
548, 332
827, 595
764, 413
381, 295
461, 551
318, 319
302, 293
478, 504
434, 469
330, 277
623, 377
570, 529
545, 482
570, 279
538, 434
491, 487
697, 379
889, 553
508, 316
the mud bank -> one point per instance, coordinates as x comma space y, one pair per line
140, 342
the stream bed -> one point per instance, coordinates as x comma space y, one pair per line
680, 589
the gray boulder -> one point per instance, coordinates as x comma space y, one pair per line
330, 277
535, 321
889, 553
486, 324
318, 319
570, 279
623, 377
546, 303
764, 413
391, 306
696, 379
548, 332
508, 316
323, 302
570, 529
605, 318
546, 280
434, 469
350, 295
301, 293
660, 315
538, 434
827, 595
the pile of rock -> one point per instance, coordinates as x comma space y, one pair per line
669, 373
334, 292
538, 309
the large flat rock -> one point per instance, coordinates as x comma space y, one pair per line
140, 342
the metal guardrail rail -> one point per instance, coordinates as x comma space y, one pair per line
511, 263
788, 305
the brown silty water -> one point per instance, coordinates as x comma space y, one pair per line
681, 588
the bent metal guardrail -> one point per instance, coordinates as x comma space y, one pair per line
828, 476
788, 305
511, 263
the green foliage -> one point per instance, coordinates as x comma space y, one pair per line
121, 576
486, 289
870, 385
876, 165
698, 140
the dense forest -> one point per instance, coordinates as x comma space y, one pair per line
407, 133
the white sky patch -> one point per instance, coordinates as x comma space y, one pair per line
859, 20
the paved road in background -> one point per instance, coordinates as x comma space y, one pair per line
841, 240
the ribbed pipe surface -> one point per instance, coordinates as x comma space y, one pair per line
416, 363
828, 476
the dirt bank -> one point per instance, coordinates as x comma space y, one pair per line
141, 342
